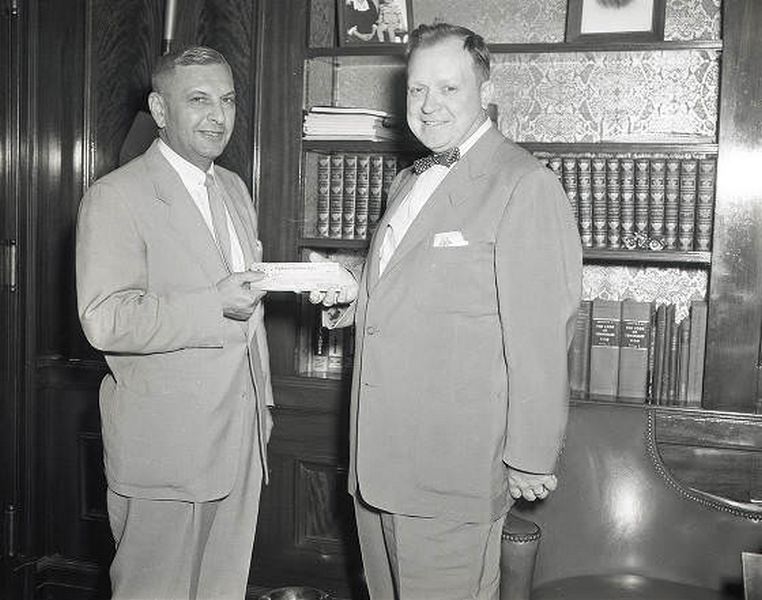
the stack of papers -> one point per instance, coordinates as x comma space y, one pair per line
350, 123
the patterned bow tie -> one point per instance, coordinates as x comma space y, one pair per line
446, 159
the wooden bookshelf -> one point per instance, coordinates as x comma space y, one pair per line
312, 411
542, 48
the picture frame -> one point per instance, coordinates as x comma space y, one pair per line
615, 20
374, 23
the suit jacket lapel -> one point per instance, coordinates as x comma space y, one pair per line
457, 186
406, 183
184, 218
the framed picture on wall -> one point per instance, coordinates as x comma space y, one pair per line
615, 20
374, 22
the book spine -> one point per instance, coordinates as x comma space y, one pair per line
555, 164
633, 354
666, 357
657, 375
389, 173
705, 203
671, 202
651, 354
598, 186
362, 196
656, 199
698, 316
674, 336
642, 185
683, 359
349, 197
335, 350
627, 186
604, 347
348, 349
579, 356
613, 202
375, 186
336, 197
566, 168
319, 362
687, 204
584, 199
323, 195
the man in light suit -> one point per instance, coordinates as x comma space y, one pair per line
464, 316
163, 245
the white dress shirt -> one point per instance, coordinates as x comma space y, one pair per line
423, 188
194, 180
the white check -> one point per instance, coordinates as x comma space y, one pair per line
298, 276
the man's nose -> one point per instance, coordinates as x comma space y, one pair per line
430, 102
216, 113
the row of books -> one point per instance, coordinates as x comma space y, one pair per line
638, 351
626, 349
350, 123
323, 352
351, 195
629, 200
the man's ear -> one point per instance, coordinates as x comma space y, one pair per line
486, 93
157, 108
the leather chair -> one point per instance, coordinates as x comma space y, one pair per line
619, 526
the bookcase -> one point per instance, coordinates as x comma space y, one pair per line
648, 115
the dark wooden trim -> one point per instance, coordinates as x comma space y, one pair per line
645, 257
619, 147
735, 309
63, 373
716, 429
310, 394
539, 48
67, 578
590, 256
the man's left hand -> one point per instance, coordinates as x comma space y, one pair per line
530, 486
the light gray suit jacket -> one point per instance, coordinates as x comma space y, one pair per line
461, 351
172, 408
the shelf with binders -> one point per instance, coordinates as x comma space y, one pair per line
640, 351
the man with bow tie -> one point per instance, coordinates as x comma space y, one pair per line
464, 313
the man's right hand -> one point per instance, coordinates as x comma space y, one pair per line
240, 294
344, 292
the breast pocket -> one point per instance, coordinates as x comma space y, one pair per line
457, 279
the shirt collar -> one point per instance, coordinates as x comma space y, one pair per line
474, 137
189, 173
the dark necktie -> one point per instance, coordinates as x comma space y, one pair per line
219, 220
446, 159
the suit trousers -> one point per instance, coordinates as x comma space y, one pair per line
421, 558
174, 550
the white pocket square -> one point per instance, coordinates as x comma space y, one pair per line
449, 239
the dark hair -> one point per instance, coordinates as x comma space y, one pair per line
424, 36
184, 57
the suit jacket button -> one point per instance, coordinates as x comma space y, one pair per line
370, 330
